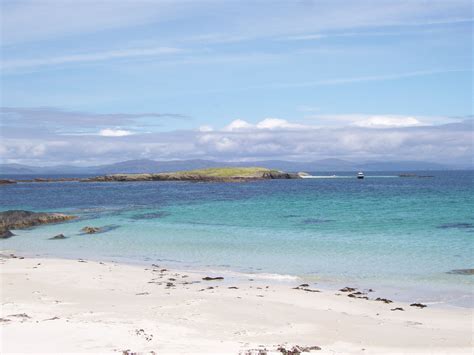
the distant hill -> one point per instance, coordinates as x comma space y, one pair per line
152, 166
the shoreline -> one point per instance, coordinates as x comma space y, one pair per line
405, 293
104, 306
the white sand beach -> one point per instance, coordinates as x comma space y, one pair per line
71, 306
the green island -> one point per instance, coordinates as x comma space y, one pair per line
225, 174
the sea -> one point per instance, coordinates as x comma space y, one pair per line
400, 236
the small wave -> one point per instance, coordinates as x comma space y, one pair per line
259, 276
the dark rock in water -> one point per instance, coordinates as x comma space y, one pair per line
59, 236
304, 285
90, 230
95, 230
17, 219
456, 225
7, 181
208, 278
5, 233
397, 309
461, 272
419, 305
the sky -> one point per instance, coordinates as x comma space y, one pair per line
91, 82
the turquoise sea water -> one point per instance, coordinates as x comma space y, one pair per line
399, 236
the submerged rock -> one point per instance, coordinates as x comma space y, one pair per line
461, 272
102, 229
18, 219
90, 230
59, 236
5, 233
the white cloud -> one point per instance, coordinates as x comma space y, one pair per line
266, 124
108, 132
379, 121
387, 121
238, 125
277, 123
380, 137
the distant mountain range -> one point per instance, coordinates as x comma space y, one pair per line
152, 166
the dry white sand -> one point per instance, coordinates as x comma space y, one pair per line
67, 306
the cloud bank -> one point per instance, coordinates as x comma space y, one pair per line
353, 137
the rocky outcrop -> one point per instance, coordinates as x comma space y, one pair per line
7, 181
18, 219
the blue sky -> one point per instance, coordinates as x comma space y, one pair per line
88, 82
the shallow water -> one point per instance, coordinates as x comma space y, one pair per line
400, 235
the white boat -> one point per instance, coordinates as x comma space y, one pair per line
360, 175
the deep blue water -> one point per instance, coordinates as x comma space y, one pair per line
400, 235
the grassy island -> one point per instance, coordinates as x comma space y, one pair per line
223, 174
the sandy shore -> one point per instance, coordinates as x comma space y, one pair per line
71, 306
